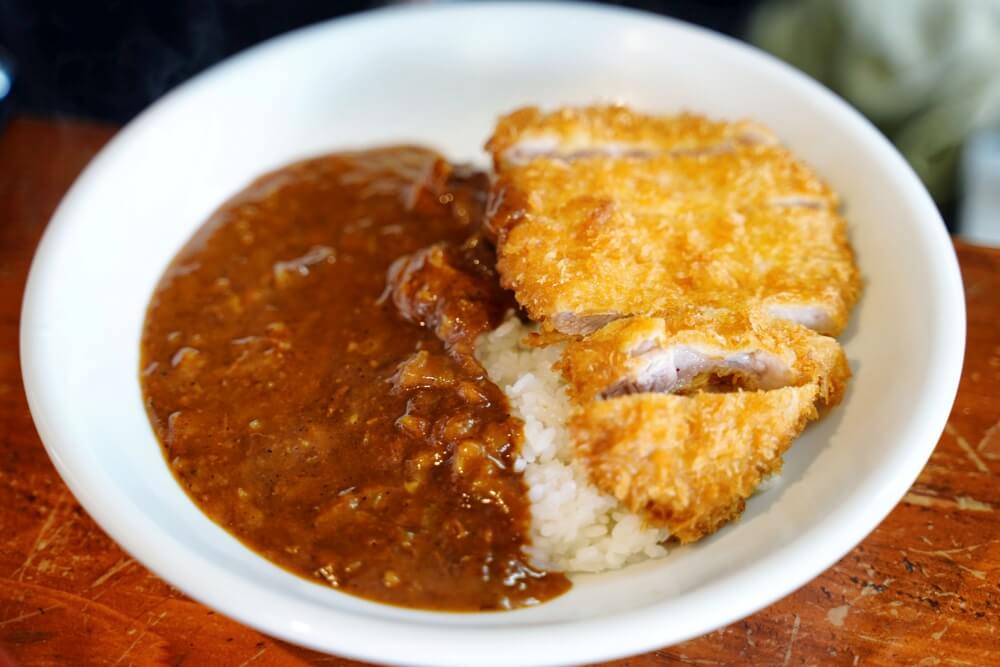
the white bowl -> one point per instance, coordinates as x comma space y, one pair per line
440, 76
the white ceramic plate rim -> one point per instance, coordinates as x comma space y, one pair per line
392, 641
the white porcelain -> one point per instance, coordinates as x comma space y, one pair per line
440, 75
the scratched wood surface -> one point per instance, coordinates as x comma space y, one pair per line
923, 589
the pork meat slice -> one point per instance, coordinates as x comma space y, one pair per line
680, 419
688, 463
602, 212
613, 131
714, 352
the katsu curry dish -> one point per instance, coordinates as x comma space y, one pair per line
451, 389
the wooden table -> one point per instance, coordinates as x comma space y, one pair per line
923, 589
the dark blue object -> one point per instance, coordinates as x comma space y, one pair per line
6, 84
109, 60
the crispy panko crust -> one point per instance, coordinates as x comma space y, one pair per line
693, 267
571, 130
624, 214
688, 463
621, 350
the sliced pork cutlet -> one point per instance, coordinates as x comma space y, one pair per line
681, 420
609, 131
688, 463
710, 352
601, 213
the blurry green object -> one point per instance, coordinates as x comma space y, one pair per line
927, 72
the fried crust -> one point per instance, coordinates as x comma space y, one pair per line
698, 216
592, 364
573, 129
630, 235
688, 463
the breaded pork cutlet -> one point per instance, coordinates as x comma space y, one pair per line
696, 267
601, 213
680, 420
702, 353
688, 463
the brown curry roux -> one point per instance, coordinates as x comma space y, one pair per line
306, 410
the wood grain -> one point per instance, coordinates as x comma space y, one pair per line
923, 589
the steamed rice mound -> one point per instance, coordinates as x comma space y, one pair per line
575, 527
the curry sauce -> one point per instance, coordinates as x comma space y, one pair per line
303, 407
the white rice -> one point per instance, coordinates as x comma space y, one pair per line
575, 527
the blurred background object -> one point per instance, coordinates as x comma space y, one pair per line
108, 60
926, 72
979, 216
6, 84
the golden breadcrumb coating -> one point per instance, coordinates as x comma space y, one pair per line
688, 463
745, 351
693, 267
570, 129
625, 214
